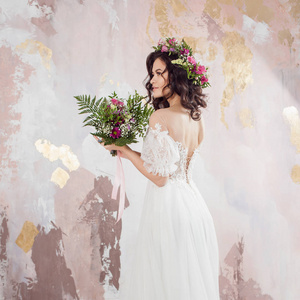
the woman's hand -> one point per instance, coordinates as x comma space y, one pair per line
112, 147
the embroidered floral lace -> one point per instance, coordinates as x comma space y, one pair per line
165, 157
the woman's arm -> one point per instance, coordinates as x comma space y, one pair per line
135, 158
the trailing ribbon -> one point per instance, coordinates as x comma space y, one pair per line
119, 182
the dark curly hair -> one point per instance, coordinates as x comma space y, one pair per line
191, 95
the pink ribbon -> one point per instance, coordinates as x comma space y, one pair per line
119, 182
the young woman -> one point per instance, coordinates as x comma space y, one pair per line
177, 253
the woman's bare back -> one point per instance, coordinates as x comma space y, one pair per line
181, 127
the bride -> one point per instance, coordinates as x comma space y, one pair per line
177, 253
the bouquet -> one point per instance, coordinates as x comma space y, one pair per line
116, 121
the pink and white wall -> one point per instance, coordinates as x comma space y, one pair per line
58, 238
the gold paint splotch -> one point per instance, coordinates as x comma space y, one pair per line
291, 115
295, 9
212, 8
256, 10
229, 21
295, 174
199, 45
53, 153
165, 12
32, 47
103, 80
60, 177
26, 237
237, 68
246, 118
285, 37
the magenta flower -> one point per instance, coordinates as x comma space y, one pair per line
114, 101
185, 51
172, 41
117, 102
116, 133
164, 48
203, 79
128, 126
200, 70
191, 60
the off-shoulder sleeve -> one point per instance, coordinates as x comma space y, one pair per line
160, 152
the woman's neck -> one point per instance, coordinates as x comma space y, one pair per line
174, 101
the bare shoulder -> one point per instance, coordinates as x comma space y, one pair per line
159, 116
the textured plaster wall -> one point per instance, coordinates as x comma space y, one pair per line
57, 234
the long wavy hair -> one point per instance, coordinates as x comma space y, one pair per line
191, 95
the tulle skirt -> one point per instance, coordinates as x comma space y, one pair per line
176, 256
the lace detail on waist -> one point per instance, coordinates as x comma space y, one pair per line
185, 165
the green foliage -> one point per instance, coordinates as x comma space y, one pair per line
131, 117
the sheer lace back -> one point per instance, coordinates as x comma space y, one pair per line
164, 156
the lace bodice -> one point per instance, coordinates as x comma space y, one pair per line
165, 157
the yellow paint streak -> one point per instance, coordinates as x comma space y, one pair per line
246, 118
212, 8
60, 177
149, 23
285, 37
256, 10
212, 52
291, 115
237, 68
26, 237
53, 153
32, 47
295, 174
161, 15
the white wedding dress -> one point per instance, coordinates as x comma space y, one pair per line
177, 253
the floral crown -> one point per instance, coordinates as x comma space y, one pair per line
186, 60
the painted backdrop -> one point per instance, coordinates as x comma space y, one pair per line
58, 238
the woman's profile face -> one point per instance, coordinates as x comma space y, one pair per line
159, 78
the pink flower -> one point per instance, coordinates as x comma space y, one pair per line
114, 101
185, 51
172, 41
116, 133
191, 60
203, 79
172, 49
160, 42
128, 126
117, 102
200, 70
164, 48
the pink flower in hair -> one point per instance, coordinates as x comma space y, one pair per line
164, 48
185, 51
203, 79
191, 60
200, 70
172, 41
